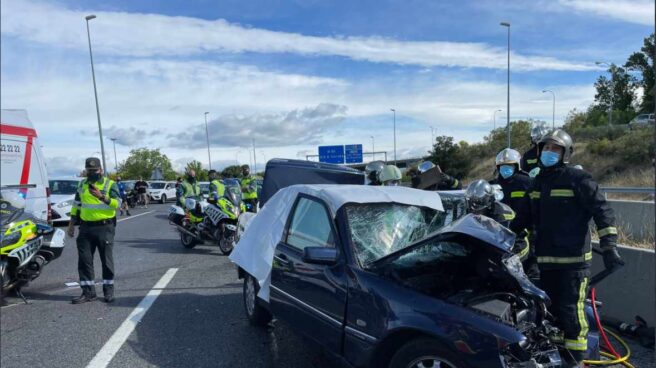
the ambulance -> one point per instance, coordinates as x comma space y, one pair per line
22, 165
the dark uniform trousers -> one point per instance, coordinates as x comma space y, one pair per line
99, 237
567, 290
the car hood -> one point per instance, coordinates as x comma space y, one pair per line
490, 233
58, 198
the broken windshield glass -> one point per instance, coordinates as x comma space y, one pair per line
378, 230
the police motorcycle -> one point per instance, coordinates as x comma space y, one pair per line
214, 220
27, 244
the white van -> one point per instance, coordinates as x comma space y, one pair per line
22, 165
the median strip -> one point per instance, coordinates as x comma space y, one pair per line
113, 345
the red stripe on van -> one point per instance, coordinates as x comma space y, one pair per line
25, 175
16, 130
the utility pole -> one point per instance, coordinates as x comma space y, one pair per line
373, 148
95, 93
254, 158
394, 111
115, 159
207, 135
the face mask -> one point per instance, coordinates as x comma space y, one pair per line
93, 176
506, 171
549, 158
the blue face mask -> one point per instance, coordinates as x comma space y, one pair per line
506, 171
549, 158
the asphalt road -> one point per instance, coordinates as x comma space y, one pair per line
197, 320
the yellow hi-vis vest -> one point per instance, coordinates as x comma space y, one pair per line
249, 187
220, 188
91, 208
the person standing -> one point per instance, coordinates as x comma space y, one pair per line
178, 183
124, 196
530, 158
563, 200
217, 189
94, 210
249, 188
189, 187
481, 200
142, 190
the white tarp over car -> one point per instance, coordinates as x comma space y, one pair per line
255, 249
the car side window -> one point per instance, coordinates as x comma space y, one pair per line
310, 226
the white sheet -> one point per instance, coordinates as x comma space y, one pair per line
255, 249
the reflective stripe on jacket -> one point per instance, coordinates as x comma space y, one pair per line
89, 208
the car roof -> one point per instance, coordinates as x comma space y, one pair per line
337, 195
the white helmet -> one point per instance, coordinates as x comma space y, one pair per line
537, 132
479, 195
508, 156
372, 171
390, 175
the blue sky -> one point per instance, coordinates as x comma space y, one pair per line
296, 74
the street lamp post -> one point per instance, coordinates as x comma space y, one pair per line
254, 158
494, 118
432, 137
507, 25
394, 111
373, 148
207, 135
95, 92
115, 159
553, 112
612, 90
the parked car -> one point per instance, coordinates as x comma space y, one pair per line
379, 278
62, 196
22, 165
161, 191
642, 120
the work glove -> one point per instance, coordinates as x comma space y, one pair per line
612, 259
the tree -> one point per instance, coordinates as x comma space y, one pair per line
451, 157
643, 62
201, 174
142, 162
619, 90
233, 171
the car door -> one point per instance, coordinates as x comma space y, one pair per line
310, 297
170, 190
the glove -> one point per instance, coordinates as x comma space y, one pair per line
612, 259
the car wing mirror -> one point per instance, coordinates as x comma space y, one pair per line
320, 255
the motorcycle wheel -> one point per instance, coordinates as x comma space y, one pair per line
187, 240
226, 246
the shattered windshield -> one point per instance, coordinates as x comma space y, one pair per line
380, 229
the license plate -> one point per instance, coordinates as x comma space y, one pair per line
58, 239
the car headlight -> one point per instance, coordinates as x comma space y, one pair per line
65, 204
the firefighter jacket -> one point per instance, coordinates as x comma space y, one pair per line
562, 202
530, 159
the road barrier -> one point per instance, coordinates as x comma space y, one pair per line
629, 291
635, 219
629, 190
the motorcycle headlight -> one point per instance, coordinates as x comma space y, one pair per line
65, 204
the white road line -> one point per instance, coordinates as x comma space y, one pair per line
131, 217
112, 346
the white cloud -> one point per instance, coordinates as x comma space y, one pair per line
636, 11
130, 136
140, 35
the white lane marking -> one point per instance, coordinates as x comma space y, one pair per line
112, 346
133, 216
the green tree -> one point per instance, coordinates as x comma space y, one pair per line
142, 162
201, 174
451, 157
643, 62
233, 171
619, 91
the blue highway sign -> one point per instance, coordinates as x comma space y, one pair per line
331, 154
353, 153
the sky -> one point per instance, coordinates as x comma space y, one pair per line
289, 76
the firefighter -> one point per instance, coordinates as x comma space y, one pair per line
390, 175
372, 172
563, 200
446, 182
96, 202
482, 200
515, 182
530, 158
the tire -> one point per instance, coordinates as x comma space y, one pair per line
162, 200
256, 314
187, 240
424, 353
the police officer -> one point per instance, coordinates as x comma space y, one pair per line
515, 182
530, 158
188, 188
217, 189
96, 201
249, 187
562, 202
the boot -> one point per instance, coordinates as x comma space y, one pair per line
108, 292
88, 295
128, 212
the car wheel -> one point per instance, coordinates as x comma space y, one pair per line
256, 314
424, 353
163, 199
187, 240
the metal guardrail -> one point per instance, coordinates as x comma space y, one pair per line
629, 190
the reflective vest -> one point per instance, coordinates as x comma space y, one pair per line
218, 187
92, 209
249, 187
189, 190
